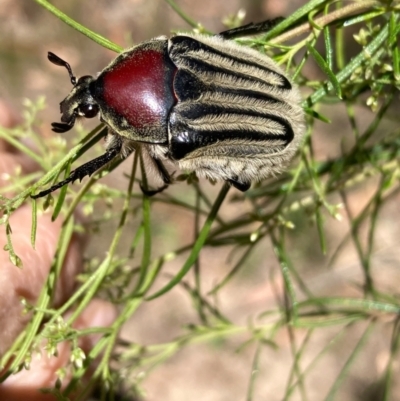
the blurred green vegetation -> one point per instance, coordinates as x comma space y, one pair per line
309, 241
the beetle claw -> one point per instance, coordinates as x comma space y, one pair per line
152, 192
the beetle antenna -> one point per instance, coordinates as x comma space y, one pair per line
59, 61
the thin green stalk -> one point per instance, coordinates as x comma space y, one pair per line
80, 28
349, 362
198, 245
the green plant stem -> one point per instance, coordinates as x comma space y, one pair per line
80, 28
197, 245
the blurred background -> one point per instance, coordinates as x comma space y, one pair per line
217, 369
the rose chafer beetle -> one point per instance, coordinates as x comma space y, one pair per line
208, 104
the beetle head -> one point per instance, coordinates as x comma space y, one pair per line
79, 102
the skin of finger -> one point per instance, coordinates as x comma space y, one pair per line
27, 282
42, 374
98, 313
26, 384
10, 165
8, 119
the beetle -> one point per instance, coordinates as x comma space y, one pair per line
206, 103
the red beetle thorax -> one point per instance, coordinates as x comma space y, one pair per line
139, 88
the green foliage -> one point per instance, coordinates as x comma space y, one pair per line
313, 191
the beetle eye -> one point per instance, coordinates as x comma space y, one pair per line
89, 110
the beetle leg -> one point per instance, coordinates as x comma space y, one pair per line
241, 186
86, 169
250, 29
162, 173
152, 192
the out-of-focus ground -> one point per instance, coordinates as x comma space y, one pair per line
212, 371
